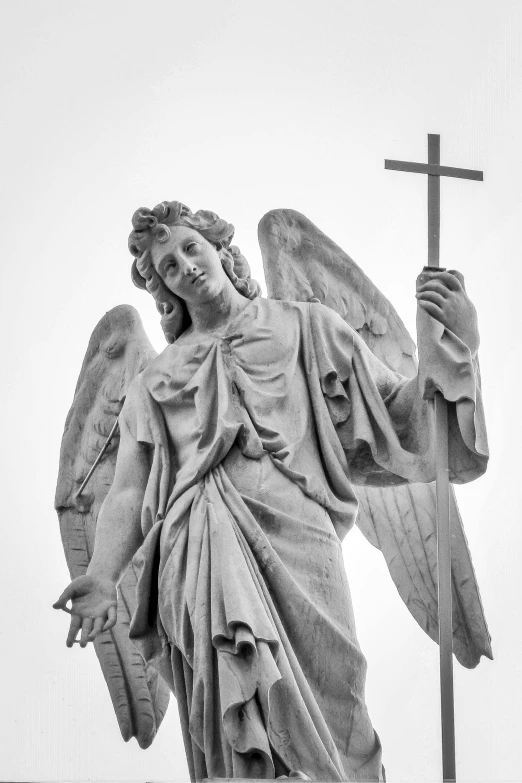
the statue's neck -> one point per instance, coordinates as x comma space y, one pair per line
216, 314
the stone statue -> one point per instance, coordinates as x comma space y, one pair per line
246, 451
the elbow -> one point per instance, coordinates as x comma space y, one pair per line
128, 499
122, 506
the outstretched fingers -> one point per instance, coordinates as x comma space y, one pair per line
94, 602
90, 627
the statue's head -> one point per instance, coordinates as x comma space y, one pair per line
152, 228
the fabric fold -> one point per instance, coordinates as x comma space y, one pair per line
216, 609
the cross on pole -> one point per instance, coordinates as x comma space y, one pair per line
435, 171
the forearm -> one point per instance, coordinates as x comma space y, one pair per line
118, 534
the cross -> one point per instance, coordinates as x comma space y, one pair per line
435, 171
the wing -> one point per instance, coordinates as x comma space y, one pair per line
118, 350
301, 263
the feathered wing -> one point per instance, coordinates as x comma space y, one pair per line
118, 350
301, 263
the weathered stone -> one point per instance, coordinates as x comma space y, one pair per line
239, 447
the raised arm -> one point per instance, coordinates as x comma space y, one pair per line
443, 296
118, 536
382, 418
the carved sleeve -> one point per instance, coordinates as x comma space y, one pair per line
384, 420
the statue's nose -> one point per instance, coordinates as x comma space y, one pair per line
188, 270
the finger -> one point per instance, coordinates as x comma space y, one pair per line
433, 310
97, 628
86, 629
111, 620
76, 624
67, 595
63, 608
432, 296
458, 275
434, 285
452, 281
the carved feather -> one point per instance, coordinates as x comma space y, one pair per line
118, 350
302, 263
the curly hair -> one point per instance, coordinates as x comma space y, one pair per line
153, 225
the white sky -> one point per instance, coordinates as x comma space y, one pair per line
241, 107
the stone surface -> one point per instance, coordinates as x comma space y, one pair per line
239, 450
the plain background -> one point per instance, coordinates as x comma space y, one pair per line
241, 107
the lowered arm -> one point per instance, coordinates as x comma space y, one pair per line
118, 532
118, 537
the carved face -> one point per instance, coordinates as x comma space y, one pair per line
189, 265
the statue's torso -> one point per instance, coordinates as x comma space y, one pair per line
241, 398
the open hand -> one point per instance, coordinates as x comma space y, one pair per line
443, 296
94, 601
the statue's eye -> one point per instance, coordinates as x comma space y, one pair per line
190, 247
170, 266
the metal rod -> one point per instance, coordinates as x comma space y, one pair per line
444, 589
429, 168
447, 709
98, 458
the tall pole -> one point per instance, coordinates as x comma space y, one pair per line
440, 413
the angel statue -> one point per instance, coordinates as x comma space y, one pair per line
205, 549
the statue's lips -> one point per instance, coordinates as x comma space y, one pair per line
198, 278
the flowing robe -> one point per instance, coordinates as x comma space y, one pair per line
256, 435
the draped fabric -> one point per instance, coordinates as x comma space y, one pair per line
255, 437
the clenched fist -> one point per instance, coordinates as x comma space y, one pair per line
443, 296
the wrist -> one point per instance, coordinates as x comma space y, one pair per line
102, 574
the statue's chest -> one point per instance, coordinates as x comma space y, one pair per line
256, 362
262, 361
